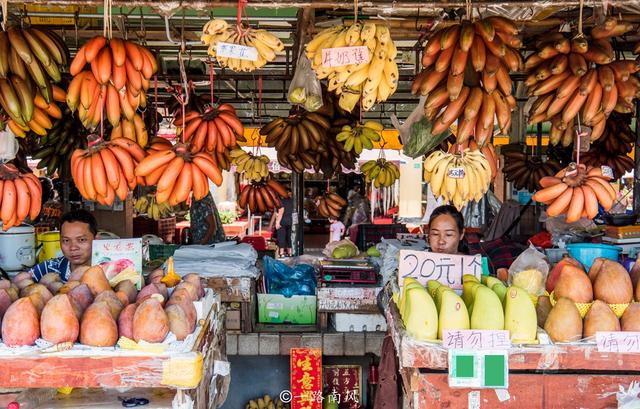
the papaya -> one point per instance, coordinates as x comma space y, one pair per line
184, 302
58, 322
630, 320
68, 286
195, 279
600, 318
98, 328
5, 302
564, 324
37, 288
129, 289
95, 279
178, 322
150, 322
574, 284
613, 284
112, 300
125, 321
20, 324
82, 296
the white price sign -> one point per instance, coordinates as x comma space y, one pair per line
238, 51
618, 341
337, 57
456, 173
448, 269
607, 171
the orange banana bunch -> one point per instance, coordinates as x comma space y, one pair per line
466, 77
176, 172
116, 83
330, 205
41, 114
578, 194
579, 76
213, 130
20, 196
106, 170
134, 130
263, 196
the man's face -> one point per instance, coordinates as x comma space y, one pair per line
75, 241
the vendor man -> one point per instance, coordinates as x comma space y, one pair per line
78, 228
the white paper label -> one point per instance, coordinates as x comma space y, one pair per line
238, 51
618, 341
456, 173
607, 171
337, 57
448, 269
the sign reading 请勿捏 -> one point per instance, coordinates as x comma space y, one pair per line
447, 269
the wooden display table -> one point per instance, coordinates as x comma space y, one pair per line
544, 376
189, 371
236, 229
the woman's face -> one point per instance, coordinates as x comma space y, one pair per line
444, 235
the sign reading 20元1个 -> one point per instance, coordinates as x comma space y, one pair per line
448, 269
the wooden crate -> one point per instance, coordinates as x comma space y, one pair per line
347, 299
541, 376
237, 294
240, 317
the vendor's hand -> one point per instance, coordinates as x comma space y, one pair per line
278, 226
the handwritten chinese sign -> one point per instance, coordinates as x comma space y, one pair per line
618, 341
456, 173
448, 269
238, 51
120, 249
337, 57
306, 378
476, 339
343, 384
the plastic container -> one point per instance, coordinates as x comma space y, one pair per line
585, 253
49, 245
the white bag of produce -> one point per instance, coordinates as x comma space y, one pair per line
529, 271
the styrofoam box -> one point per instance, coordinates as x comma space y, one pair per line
345, 322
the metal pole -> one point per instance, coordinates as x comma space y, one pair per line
297, 189
636, 170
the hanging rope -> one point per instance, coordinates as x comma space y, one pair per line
211, 79
580, 18
355, 11
5, 11
107, 30
469, 10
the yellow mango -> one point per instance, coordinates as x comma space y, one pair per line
520, 315
487, 310
421, 317
453, 313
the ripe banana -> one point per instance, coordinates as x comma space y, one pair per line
20, 196
525, 171
330, 205
381, 172
254, 168
360, 136
262, 196
213, 130
147, 204
372, 80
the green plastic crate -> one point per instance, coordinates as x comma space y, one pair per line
162, 251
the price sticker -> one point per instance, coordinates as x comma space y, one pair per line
238, 51
607, 171
456, 173
339, 56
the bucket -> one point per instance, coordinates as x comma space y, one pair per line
49, 245
17, 248
585, 253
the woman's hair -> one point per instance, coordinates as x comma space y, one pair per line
451, 211
459, 219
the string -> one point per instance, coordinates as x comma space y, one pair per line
259, 96
579, 136
241, 7
469, 9
211, 78
155, 97
5, 9
355, 11
580, 18
106, 15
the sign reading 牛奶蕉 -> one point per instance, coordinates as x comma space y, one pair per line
238, 51
476, 339
339, 56
618, 341
448, 269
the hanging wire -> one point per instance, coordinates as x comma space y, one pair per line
107, 28
355, 11
580, 18
5, 12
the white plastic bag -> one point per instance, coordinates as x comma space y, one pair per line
8, 146
305, 89
529, 271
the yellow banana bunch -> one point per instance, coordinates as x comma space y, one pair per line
372, 81
134, 130
381, 172
458, 179
266, 44
156, 211
360, 136
255, 168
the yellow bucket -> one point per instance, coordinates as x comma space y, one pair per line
48, 245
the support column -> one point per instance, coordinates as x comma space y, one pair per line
297, 231
636, 171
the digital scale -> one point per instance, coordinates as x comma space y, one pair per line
348, 271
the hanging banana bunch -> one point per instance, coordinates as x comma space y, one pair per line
219, 31
253, 167
466, 77
360, 136
372, 81
577, 79
381, 172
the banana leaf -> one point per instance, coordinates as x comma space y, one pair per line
421, 140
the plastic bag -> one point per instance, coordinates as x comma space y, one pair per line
415, 132
346, 243
629, 399
305, 89
529, 271
8, 146
288, 281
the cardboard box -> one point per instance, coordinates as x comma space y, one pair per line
233, 320
344, 322
278, 309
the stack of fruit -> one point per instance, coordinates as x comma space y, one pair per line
576, 191
603, 298
373, 80
525, 171
613, 147
135, 130
458, 178
254, 167
490, 305
381, 172
148, 205
56, 147
360, 136
20, 196
106, 169
99, 307
330, 205
30, 62
466, 77
579, 76
176, 172
119, 75
219, 31
265, 402
213, 130
262, 196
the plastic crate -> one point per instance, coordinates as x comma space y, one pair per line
370, 234
162, 251
167, 229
